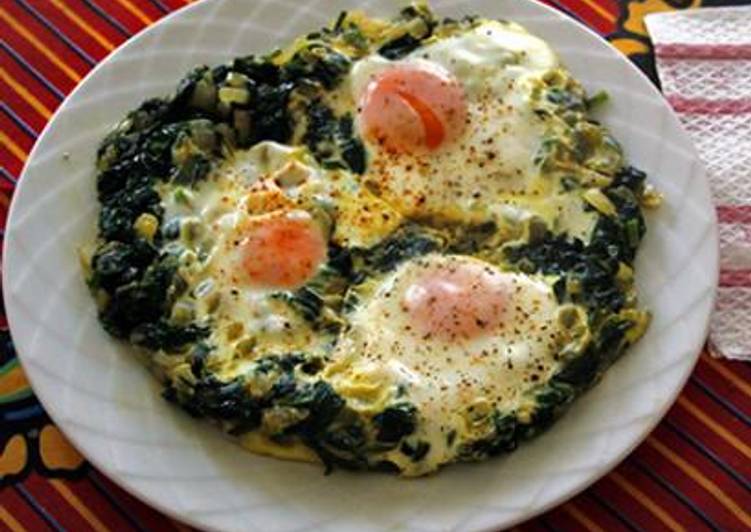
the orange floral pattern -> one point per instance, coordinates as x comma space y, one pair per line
631, 36
28, 441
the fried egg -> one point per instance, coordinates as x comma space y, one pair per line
451, 129
260, 225
456, 337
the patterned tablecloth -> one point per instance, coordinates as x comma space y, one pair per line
692, 473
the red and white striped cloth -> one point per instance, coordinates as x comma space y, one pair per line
704, 63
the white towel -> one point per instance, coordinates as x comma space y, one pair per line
704, 62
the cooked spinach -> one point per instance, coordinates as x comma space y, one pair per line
417, 24
503, 439
117, 263
583, 371
551, 400
306, 301
270, 116
261, 70
405, 243
567, 100
119, 213
596, 100
326, 290
395, 422
415, 451
318, 63
214, 110
197, 357
226, 401
571, 259
631, 178
332, 140
399, 47
472, 238
142, 300
592, 267
167, 336
318, 398
324, 424
195, 168
334, 287
346, 440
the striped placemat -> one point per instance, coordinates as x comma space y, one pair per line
692, 473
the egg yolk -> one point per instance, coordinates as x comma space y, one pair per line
461, 301
411, 108
282, 250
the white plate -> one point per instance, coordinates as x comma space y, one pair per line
111, 409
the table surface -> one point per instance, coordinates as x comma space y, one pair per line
692, 473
